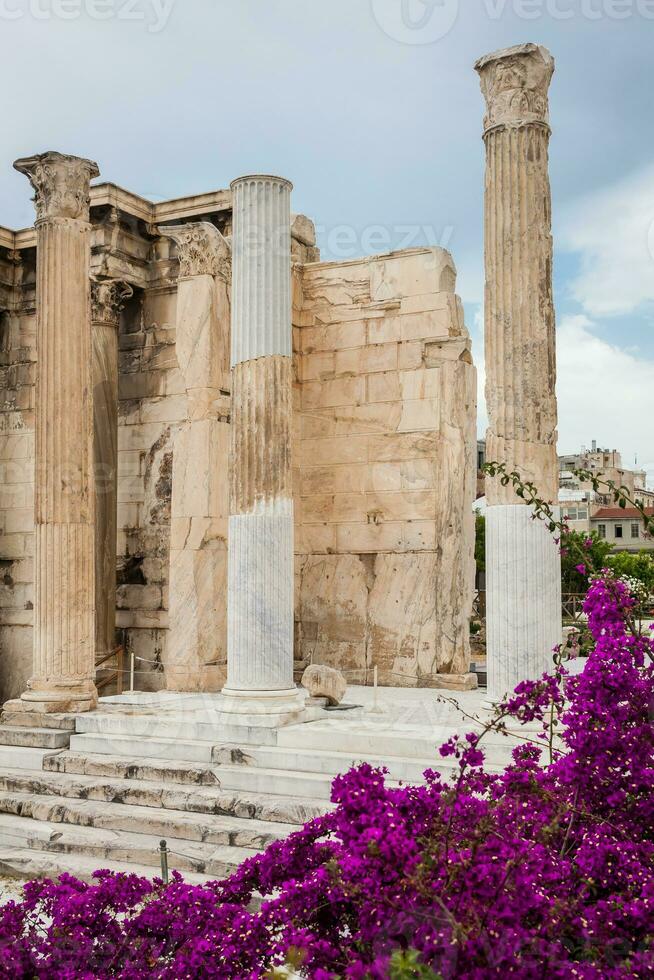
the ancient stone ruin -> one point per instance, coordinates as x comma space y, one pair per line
522, 560
227, 465
186, 383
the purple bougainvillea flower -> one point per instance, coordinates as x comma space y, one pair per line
544, 869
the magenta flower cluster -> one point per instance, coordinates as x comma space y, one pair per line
545, 870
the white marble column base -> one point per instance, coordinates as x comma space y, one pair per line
263, 704
523, 598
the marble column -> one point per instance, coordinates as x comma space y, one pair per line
260, 581
522, 560
196, 650
108, 297
64, 606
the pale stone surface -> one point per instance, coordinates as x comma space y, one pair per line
324, 682
261, 317
523, 598
260, 576
520, 328
371, 431
384, 480
196, 651
64, 616
523, 568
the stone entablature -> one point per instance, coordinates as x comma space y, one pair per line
171, 410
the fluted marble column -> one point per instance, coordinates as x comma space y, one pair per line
522, 561
64, 608
107, 300
196, 651
260, 580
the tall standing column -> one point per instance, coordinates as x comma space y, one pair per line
522, 561
195, 653
107, 300
260, 576
64, 608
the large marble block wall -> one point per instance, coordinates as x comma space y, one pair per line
383, 457
384, 468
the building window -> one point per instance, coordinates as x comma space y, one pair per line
582, 514
601, 530
618, 530
635, 530
571, 513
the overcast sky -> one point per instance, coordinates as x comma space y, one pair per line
373, 109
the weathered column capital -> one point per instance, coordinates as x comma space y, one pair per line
61, 184
202, 250
514, 82
108, 298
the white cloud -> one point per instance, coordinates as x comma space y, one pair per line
613, 231
604, 393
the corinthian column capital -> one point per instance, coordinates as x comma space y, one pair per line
202, 250
514, 82
61, 184
108, 297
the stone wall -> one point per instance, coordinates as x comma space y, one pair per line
17, 380
383, 453
152, 405
384, 468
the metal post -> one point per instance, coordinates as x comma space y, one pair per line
163, 853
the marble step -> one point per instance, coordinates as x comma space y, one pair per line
281, 782
150, 724
323, 762
160, 795
34, 738
138, 746
414, 748
217, 831
125, 847
20, 757
34, 719
186, 773
27, 863
362, 742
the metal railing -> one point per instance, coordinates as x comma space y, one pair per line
114, 676
571, 606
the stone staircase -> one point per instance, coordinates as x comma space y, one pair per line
101, 790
